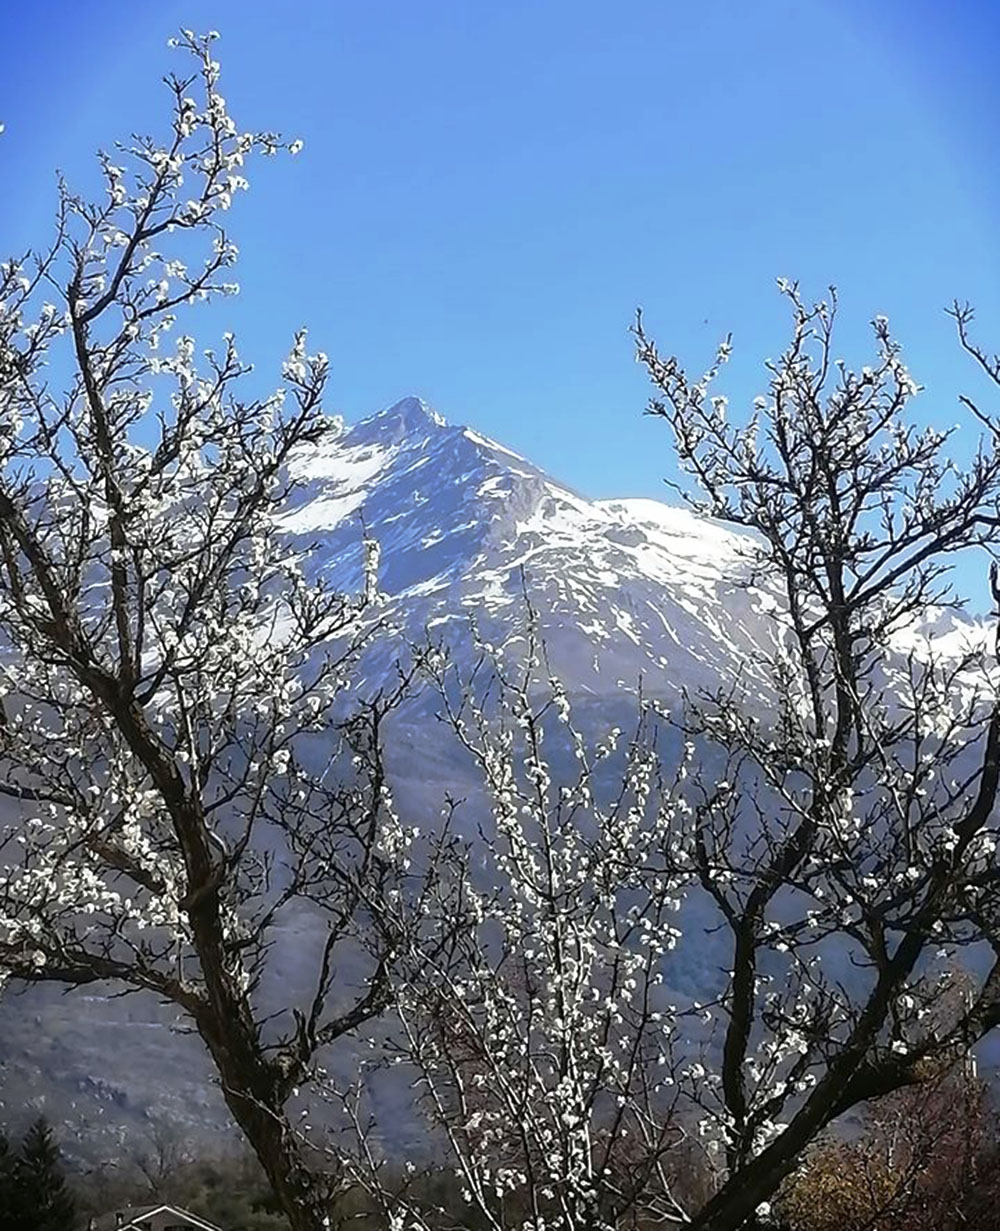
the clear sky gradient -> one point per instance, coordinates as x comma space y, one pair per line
488, 189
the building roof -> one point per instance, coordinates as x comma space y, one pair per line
129, 1219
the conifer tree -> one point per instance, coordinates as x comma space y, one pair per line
42, 1200
8, 1219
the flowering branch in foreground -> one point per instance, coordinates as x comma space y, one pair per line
181, 773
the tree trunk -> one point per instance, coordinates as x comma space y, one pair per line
254, 1092
251, 1090
297, 1188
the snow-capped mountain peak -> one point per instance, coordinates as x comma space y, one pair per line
408, 417
624, 588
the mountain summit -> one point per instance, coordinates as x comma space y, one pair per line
623, 588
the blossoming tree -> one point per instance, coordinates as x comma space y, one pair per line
177, 768
858, 817
541, 1042
832, 844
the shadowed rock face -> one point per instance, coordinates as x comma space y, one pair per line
624, 589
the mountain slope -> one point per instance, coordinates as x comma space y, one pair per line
623, 589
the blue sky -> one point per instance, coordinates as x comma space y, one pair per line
488, 190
